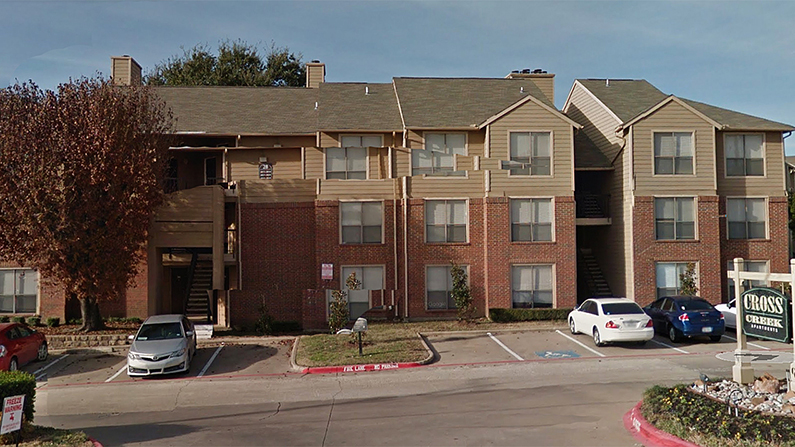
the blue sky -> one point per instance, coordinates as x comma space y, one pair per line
737, 55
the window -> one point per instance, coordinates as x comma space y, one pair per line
531, 220
748, 266
746, 218
437, 157
674, 218
531, 286
439, 287
669, 278
372, 278
532, 150
361, 141
346, 163
361, 222
446, 220
744, 155
673, 153
19, 291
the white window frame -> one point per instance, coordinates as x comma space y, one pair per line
343, 286
678, 282
447, 224
38, 290
726, 159
766, 219
341, 239
552, 217
751, 283
450, 278
551, 152
695, 217
440, 174
366, 163
537, 264
654, 132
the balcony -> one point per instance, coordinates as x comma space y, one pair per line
593, 209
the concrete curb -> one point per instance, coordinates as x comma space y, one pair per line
648, 434
432, 356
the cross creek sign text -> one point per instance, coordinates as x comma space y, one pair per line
766, 314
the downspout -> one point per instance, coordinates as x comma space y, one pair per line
405, 250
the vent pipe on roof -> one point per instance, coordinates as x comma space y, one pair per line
366, 90
521, 89
607, 82
315, 105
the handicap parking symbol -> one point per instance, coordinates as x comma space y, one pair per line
557, 354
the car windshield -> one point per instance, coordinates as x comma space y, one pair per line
621, 308
694, 305
159, 331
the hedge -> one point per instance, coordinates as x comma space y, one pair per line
14, 383
499, 315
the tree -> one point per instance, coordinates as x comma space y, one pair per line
237, 64
81, 173
339, 314
461, 293
688, 280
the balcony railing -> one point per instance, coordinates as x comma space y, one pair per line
593, 206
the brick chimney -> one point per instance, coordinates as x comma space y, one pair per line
543, 80
125, 71
315, 74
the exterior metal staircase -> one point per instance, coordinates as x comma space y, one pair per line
592, 206
197, 301
597, 284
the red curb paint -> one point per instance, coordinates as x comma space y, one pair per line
95, 442
648, 434
360, 368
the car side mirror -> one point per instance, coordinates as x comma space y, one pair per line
131, 337
189, 334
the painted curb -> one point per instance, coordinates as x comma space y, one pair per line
95, 442
368, 366
648, 434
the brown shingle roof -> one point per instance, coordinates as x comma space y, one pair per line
242, 110
459, 102
732, 120
627, 98
357, 106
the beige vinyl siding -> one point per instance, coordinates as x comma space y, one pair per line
121, 69
673, 117
314, 163
186, 218
471, 186
190, 205
261, 191
414, 139
329, 139
475, 143
545, 83
182, 235
277, 141
532, 117
401, 162
597, 122
244, 163
378, 162
771, 184
359, 189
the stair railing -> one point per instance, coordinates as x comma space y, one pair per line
191, 270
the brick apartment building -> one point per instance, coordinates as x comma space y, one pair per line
394, 181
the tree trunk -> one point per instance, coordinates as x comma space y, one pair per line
89, 310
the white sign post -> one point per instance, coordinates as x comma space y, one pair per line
12, 414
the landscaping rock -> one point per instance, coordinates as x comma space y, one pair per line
767, 384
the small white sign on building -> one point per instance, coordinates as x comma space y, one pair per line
12, 414
327, 271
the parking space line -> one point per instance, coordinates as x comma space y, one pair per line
581, 344
669, 346
36, 373
749, 343
210, 362
503, 346
123, 368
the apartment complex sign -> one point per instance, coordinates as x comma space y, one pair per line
766, 314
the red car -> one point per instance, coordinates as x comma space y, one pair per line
20, 345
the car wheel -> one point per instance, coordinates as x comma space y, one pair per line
42, 355
13, 365
715, 338
597, 340
673, 334
572, 328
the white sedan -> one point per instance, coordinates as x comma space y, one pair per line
729, 312
610, 320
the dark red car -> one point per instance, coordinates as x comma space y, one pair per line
20, 345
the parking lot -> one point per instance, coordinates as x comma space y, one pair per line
269, 356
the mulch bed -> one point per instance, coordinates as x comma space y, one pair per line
115, 328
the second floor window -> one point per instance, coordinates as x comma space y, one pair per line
437, 157
360, 141
446, 221
674, 218
531, 220
744, 155
361, 222
747, 218
673, 153
748, 266
346, 163
533, 150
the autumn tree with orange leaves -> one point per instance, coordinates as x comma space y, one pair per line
81, 174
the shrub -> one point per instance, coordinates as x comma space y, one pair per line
34, 321
461, 293
77, 321
4, 319
499, 315
264, 323
14, 383
53, 322
17, 319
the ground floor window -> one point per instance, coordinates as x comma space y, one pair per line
669, 278
439, 287
19, 291
531, 286
748, 266
371, 277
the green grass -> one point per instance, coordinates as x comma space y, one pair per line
38, 436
